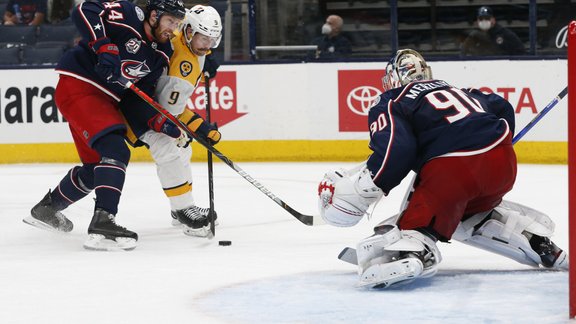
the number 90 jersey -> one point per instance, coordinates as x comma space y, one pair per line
430, 119
184, 73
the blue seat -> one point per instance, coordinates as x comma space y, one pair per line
9, 56
18, 34
62, 35
41, 55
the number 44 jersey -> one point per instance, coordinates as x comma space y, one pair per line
428, 119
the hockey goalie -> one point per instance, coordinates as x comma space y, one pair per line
459, 143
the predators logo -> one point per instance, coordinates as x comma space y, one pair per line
185, 68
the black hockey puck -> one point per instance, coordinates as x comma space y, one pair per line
224, 243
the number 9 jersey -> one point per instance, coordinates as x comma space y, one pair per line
184, 74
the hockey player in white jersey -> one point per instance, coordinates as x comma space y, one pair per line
464, 167
200, 31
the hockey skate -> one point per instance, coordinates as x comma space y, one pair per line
105, 235
194, 221
393, 257
552, 256
45, 216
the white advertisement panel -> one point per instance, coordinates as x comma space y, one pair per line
312, 101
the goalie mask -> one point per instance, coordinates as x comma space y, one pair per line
407, 66
204, 20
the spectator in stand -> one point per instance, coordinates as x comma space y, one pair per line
59, 11
491, 38
25, 12
332, 44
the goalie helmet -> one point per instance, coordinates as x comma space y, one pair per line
171, 7
204, 20
407, 66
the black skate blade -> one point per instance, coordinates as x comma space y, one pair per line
44, 226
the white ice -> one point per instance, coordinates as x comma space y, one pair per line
277, 270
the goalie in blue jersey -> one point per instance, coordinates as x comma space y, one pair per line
459, 143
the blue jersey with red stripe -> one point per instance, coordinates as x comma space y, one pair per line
143, 60
428, 119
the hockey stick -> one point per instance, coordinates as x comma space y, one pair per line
211, 212
305, 219
541, 114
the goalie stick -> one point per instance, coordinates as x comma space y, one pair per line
304, 219
541, 114
348, 254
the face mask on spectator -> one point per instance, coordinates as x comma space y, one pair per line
484, 24
326, 29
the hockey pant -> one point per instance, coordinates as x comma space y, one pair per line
173, 168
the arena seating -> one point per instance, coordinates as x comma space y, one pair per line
29, 45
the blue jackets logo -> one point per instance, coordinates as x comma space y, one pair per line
134, 70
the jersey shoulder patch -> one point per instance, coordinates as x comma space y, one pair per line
185, 68
139, 13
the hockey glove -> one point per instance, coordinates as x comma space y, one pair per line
161, 124
210, 66
199, 126
344, 199
108, 67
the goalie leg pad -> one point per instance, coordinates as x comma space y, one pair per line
514, 231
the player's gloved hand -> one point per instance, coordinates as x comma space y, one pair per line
210, 132
210, 66
161, 124
108, 67
343, 199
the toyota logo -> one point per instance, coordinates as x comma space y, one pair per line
360, 99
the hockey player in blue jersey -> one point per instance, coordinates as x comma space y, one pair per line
459, 142
118, 40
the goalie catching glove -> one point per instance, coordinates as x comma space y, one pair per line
198, 125
161, 124
343, 199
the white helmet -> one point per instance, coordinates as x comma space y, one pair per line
204, 20
407, 66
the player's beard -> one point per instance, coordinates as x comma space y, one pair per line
160, 35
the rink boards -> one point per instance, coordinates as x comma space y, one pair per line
293, 112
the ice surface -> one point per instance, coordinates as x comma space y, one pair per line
277, 270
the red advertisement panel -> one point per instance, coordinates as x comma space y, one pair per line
357, 89
223, 99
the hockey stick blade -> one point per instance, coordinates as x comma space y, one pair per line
348, 255
304, 219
